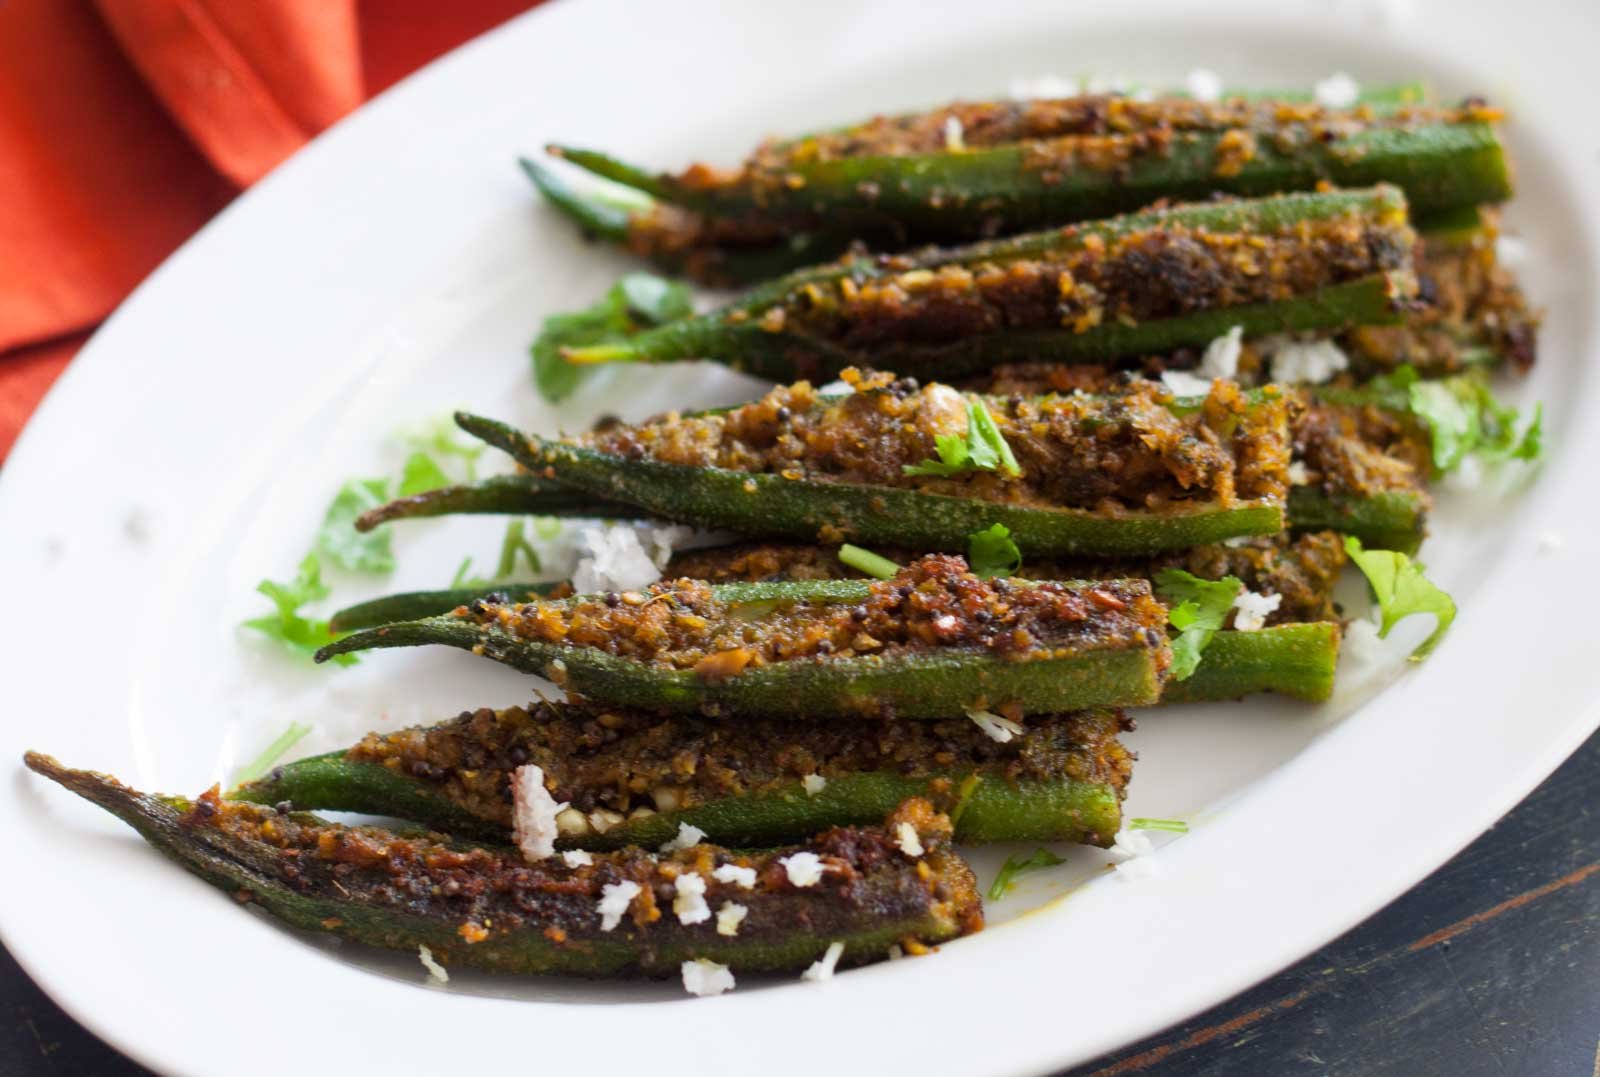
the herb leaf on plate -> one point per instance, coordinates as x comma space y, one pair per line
638, 301
291, 628
340, 542
1401, 590
1197, 609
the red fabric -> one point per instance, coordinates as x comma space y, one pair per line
126, 124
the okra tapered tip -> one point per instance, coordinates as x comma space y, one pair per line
48, 765
501, 435
600, 213
607, 167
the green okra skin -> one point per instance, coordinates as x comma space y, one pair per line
770, 505
497, 495
736, 334
997, 809
410, 605
1439, 165
400, 892
785, 357
921, 686
1382, 519
1120, 665
755, 782
1295, 660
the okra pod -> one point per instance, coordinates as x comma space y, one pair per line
1124, 474
410, 605
494, 495
491, 908
932, 642
627, 780
1136, 285
1294, 660
1020, 165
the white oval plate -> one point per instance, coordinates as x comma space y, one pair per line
398, 267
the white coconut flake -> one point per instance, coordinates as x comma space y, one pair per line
1338, 90
533, 813
994, 726
910, 842
803, 869
664, 540
1551, 541
821, 970
1131, 854
729, 917
895, 953
576, 858
612, 560
1253, 609
1102, 84
1043, 87
1221, 359
690, 904
603, 819
614, 901
733, 873
1185, 383
1204, 85
704, 978
1510, 251
1144, 867
1305, 362
436, 971
813, 784
953, 135
1298, 473
688, 837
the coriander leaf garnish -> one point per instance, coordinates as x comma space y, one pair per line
1401, 589
272, 753
515, 543
1176, 826
638, 301
1016, 865
983, 448
422, 473
1462, 415
340, 542
991, 552
1197, 609
867, 561
298, 633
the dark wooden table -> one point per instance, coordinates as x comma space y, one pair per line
1490, 966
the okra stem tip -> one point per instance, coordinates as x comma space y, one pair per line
599, 353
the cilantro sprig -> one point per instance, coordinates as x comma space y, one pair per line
1016, 865
1401, 590
1197, 609
291, 628
1463, 417
340, 542
636, 302
982, 448
991, 552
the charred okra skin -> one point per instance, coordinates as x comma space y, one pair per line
1115, 475
934, 641
632, 777
490, 908
1137, 285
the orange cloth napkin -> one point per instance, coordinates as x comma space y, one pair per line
125, 124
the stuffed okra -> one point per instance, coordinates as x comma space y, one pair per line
973, 170
1129, 286
631, 777
896, 463
935, 641
606, 914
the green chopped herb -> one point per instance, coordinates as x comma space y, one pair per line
422, 473
441, 439
1462, 416
547, 527
464, 577
867, 561
983, 448
511, 546
638, 301
272, 753
992, 553
968, 786
1177, 826
1401, 589
1197, 609
340, 542
1016, 865
300, 634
